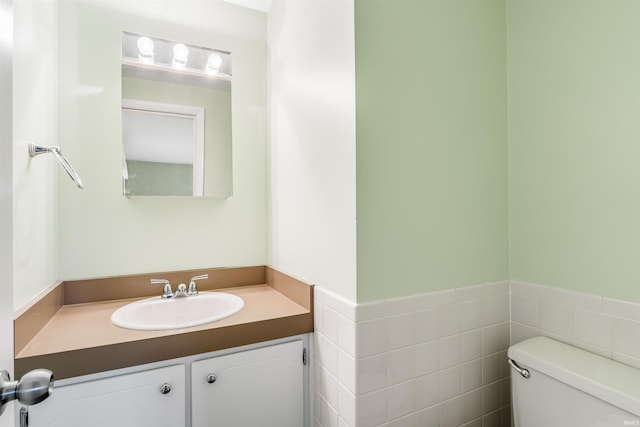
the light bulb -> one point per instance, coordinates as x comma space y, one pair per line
145, 50
214, 63
180, 55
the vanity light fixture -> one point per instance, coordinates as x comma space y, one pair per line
159, 55
145, 50
180, 56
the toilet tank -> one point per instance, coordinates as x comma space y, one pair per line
568, 387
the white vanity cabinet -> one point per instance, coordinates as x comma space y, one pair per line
149, 398
261, 387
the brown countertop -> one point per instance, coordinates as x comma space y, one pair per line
79, 339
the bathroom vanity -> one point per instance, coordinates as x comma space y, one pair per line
261, 385
248, 369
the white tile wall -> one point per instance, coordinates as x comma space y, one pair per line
439, 359
601, 325
423, 360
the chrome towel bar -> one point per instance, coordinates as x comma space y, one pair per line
34, 150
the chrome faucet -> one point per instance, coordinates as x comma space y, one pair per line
181, 290
193, 290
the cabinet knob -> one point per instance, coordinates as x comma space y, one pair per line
165, 388
211, 378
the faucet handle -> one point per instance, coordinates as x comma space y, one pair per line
193, 290
167, 292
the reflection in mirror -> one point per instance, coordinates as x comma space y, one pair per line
163, 149
176, 119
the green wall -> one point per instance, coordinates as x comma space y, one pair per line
453, 93
431, 145
204, 232
574, 144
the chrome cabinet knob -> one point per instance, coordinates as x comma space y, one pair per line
165, 388
211, 378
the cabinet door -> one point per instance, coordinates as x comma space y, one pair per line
262, 387
132, 400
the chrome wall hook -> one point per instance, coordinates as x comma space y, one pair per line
35, 150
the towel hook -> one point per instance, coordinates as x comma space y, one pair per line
34, 150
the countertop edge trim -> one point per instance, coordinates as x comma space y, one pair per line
93, 360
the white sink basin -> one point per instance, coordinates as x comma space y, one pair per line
154, 314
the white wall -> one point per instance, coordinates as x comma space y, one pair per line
103, 233
312, 218
35, 120
6, 197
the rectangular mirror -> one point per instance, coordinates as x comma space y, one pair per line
176, 119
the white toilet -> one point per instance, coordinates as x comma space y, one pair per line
557, 385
